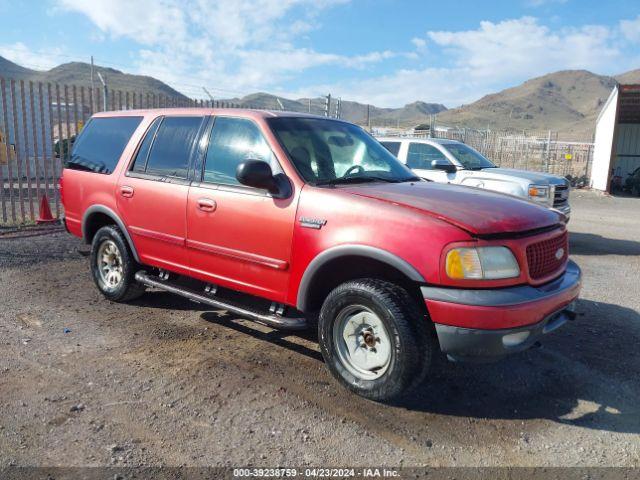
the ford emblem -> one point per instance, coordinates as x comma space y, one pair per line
559, 253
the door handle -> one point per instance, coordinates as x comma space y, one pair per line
126, 191
206, 204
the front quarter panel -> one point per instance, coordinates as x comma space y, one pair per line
349, 219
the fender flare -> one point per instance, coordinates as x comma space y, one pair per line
114, 216
346, 251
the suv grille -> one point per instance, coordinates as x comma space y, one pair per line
541, 256
561, 197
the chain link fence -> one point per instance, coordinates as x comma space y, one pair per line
535, 151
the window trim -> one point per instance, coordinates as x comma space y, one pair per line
158, 177
235, 188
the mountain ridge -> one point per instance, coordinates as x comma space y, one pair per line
567, 101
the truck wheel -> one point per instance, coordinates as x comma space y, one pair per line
374, 339
113, 267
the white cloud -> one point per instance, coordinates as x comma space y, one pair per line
22, 55
419, 42
236, 45
147, 21
523, 48
631, 29
492, 57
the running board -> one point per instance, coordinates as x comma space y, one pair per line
274, 321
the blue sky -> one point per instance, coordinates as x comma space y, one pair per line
383, 52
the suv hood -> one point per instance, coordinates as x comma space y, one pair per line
478, 211
533, 177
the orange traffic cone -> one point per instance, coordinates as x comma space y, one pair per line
45, 212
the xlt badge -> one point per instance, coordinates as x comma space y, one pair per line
316, 223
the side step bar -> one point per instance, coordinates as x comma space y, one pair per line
274, 321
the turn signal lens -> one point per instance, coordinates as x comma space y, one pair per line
483, 263
464, 263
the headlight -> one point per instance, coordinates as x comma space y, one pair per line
540, 193
482, 263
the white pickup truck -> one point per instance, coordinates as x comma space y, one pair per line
449, 161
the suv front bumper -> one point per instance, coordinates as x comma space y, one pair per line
478, 325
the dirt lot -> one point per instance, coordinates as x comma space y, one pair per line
165, 382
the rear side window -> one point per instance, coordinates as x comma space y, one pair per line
171, 149
421, 155
101, 144
393, 147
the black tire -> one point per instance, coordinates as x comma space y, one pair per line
412, 348
127, 289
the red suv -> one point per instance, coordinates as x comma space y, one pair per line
295, 220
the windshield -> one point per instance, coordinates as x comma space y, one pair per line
468, 157
328, 151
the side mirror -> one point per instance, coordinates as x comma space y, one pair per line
257, 174
445, 165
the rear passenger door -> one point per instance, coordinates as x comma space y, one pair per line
152, 193
239, 237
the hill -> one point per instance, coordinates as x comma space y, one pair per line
355, 112
567, 101
79, 73
630, 77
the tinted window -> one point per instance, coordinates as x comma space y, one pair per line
172, 147
393, 147
140, 163
101, 144
421, 155
233, 141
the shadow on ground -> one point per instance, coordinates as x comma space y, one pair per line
584, 375
592, 244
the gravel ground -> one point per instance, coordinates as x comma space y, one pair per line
162, 381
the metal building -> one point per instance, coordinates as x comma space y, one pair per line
617, 141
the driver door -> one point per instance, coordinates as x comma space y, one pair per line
237, 236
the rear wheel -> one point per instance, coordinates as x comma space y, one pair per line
113, 267
374, 339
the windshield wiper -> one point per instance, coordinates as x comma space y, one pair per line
354, 179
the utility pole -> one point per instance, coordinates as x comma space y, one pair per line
104, 93
369, 117
93, 88
338, 105
309, 104
327, 105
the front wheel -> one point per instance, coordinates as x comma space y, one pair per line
374, 339
113, 267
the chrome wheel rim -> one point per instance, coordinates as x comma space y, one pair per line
109, 263
362, 342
